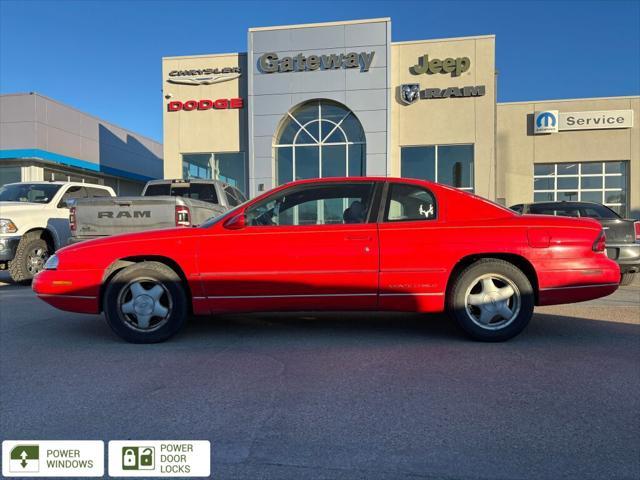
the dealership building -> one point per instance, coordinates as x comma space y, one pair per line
342, 99
42, 139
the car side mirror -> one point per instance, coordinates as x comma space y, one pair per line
237, 222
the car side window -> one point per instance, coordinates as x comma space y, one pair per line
239, 195
72, 193
409, 202
328, 204
97, 192
232, 200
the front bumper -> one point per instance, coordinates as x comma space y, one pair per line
8, 246
69, 290
627, 255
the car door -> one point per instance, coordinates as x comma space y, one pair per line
59, 221
412, 249
303, 248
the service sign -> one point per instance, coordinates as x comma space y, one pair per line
596, 120
552, 121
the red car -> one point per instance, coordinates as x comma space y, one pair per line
339, 244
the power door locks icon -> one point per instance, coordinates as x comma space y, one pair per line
138, 458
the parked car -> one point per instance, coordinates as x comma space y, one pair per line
340, 244
623, 235
34, 222
163, 204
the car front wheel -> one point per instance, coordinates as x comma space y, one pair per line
492, 300
145, 303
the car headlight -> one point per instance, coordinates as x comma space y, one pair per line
51, 263
7, 226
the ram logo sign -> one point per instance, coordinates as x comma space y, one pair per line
545, 122
126, 214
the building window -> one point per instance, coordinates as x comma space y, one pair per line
600, 182
447, 164
320, 138
228, 167
10, 174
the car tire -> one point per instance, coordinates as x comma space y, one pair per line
627, 278
146, 303
31, 254
492, 300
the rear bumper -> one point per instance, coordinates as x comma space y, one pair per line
8, 247
626, 255
597, 277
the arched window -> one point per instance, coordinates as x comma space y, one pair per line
319, 138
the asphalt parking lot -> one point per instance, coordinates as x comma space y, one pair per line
340, 396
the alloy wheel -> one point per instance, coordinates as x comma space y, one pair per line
145, 304
492, 301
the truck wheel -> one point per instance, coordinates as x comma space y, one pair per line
31, 255
492, 300
627, 278
145, 303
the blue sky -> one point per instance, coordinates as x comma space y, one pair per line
105, 57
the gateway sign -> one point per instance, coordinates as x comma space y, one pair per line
271, 63
552, 121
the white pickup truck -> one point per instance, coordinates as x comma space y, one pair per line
34, 222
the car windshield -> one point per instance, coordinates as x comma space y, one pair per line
28, 192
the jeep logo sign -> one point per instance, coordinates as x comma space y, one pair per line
454, 66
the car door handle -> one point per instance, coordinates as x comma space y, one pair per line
358, 238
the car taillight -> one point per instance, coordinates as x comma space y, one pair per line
183, 217
599, 244
637, 227
72, 219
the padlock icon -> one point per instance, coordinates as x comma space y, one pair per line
130, 458
146, 458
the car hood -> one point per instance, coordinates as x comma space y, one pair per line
7, 208
146, 236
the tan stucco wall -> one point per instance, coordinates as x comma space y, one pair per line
207, 131
518, 148
448, 120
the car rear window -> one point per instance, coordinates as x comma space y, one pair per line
156, 189
598, 211
197, 191
555, 210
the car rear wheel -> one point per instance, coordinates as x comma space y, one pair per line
492, 300
145, 303
627, 278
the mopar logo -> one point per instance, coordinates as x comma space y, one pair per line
125, 214
546, 118
545, 122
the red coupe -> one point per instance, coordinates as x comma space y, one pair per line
339, 244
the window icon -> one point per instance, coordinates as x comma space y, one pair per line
25, 458
138, 458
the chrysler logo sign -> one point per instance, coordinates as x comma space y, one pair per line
410, 92
205, 76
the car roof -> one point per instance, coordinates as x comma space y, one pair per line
41, 182
571, 203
